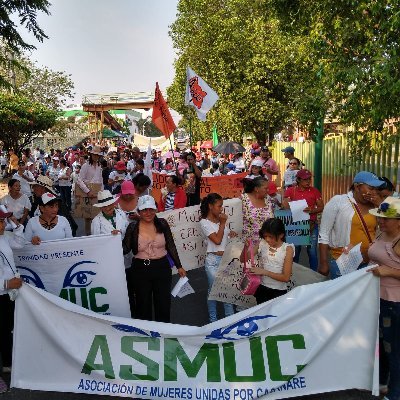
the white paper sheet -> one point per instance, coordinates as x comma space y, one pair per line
297, 207
182, 288
349, 262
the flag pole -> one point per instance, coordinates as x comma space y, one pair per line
190, 132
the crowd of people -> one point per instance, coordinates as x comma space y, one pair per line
111, 191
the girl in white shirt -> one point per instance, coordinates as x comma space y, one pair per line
214, 227
276, 261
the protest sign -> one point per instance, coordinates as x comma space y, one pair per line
297, 233
272, 351
228, 186
188, 237
88, 271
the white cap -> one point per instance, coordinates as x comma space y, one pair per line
46, 197
56, 158
257, 163
146, 201
29, 163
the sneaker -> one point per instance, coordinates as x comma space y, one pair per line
3, 386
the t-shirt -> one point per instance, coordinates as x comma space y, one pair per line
115, 174
310, 195
290, 177
169, 201
25, 186
16, 206
61, 231
208, 227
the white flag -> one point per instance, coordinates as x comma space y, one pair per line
198, 94
147, 164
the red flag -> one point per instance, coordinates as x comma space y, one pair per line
161, 116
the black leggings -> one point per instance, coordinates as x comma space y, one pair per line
6, 328
152, 287
264, 294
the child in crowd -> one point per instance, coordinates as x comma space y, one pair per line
274, 196
255, 169
276, 261
215, 228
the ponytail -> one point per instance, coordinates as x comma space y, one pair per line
211, 198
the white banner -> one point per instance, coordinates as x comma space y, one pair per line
317, 338
88, 271
189, 239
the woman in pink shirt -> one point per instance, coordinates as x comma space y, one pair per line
385, 251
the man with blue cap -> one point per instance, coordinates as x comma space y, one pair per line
346, 221
288, 153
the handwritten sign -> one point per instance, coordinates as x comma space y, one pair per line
228, 186
188, 236
297, 233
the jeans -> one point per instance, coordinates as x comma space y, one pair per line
212, 264
389, 324
65, 193
311, 250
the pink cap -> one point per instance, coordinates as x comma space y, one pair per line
127, 188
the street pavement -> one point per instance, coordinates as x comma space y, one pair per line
190, 310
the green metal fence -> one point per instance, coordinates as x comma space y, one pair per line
337, 166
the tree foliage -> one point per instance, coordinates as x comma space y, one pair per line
21, 120
26, 13
238, 48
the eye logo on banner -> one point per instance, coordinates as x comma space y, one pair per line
244, 328
32, 279
133, 329
81, 277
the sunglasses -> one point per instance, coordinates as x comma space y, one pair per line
293, 163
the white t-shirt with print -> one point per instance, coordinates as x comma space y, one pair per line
208, 228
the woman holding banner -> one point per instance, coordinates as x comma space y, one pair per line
256, 207
8, 281
150, 240
385, 251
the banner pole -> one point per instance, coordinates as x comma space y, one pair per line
190, 132
172, 150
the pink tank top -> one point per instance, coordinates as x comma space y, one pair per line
151, 249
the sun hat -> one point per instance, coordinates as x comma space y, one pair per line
48, 197
390, 208
304, 174
96, 150
46, 182
288, 149
146, 201
127, 187
257, 163
272, 189
368, 178
105, 198
120, 166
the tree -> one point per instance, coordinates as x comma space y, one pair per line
21, 120
26, 13
238, 48
356, 47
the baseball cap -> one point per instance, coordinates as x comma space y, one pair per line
368, 178
272, 189
288, 149
304, 174
120, 166
48, 197
127, 187
257, 163
146, 201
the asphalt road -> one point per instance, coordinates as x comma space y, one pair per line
190, 310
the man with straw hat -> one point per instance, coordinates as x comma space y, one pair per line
89, 183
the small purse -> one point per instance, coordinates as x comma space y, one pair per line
249, 282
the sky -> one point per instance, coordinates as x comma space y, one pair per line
108, 46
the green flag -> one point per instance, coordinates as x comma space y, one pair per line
215, 135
